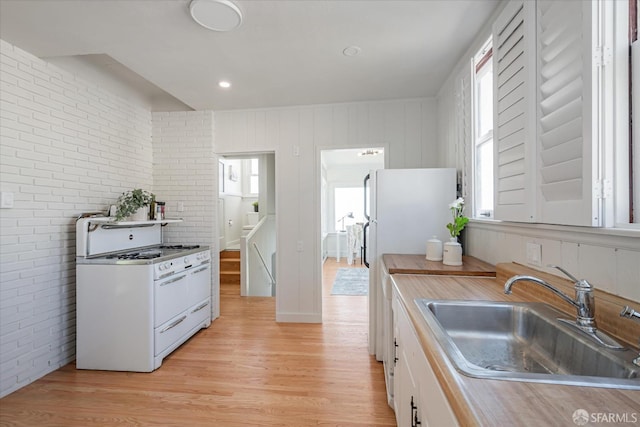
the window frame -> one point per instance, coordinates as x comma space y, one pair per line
359, 206
247, 174
481, 63
626, 140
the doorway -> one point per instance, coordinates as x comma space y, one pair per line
342, 217
247, 224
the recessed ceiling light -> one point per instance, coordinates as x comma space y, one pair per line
216, 15
224, 84
351, 51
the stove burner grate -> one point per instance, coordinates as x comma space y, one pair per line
179, 246
136, 255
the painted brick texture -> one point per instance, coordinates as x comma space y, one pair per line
67, 147
185, 171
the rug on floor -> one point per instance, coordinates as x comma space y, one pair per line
351, 281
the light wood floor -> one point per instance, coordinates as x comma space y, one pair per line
244, 370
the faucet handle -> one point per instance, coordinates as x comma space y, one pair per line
566, 273
630, 313
581, 284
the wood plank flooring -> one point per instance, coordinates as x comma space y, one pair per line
244, 370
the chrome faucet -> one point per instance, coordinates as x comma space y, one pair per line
584, 303
630, 313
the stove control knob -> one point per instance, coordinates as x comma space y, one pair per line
186, 260
161, 267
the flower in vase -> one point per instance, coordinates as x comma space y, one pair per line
459, 220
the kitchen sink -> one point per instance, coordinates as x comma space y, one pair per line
524, 342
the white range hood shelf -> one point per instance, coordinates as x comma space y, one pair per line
112, 220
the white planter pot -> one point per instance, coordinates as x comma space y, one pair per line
452, 253
141, 214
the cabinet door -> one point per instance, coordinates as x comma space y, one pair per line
418, 398
433, 406
405, 382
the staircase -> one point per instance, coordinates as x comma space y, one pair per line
230, 272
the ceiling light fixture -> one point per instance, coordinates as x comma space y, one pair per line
368, 152
351, 51
216, 15
224, 84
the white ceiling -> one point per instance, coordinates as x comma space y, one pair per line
286, 52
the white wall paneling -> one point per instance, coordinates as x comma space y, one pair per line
68, 147
297, 135
610, 262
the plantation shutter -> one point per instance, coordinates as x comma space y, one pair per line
567, 120
463, 112
514, 112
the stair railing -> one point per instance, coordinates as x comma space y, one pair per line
264, 264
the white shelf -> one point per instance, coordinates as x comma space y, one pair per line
112, 220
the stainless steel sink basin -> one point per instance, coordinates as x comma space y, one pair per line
524, 342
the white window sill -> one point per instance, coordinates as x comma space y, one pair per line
622, 238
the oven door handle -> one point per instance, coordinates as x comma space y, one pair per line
203, 305
173, 280
200, 269
173, 324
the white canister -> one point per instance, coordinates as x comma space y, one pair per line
452, 253
434, 249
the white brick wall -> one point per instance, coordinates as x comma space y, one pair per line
185, 169
66, 147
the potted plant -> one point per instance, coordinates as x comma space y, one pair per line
132, 202
452, 253
459, 220
255, 206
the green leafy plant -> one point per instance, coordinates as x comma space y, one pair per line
459, 220
255, 206
129, 202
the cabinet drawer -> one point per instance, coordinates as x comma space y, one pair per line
170, 332
199, 284
170, 298
200, 312
177, 329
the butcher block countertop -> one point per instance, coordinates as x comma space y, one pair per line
418, 264
488, 402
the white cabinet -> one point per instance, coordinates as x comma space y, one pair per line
418, 398
388, 350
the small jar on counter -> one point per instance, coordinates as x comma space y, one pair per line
434, 249
159, 211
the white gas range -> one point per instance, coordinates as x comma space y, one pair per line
137, 300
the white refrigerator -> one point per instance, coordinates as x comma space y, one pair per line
407, 207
